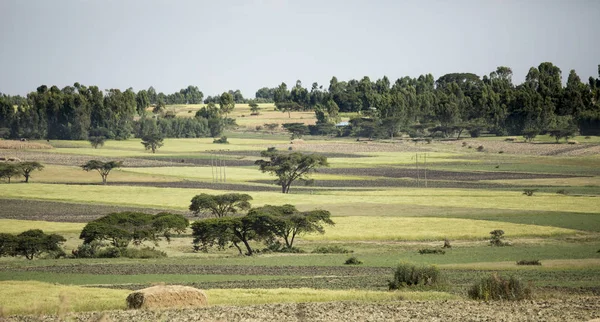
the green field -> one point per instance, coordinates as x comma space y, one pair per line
383, 212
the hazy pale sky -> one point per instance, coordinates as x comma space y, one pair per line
235, 44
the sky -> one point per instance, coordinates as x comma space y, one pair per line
249, 44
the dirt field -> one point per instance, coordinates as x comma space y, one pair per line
547, 149
573, 309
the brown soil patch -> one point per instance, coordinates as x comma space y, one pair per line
571, 309
548, 149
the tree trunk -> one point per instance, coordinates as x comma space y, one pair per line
104, 179
238, 247
247, 247
26, 178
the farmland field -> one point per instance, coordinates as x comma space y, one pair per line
388, 199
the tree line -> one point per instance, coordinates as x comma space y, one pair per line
453, 103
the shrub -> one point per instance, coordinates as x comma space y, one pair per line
480, 148
353, 261
110, 252
431, 251
86, 250
529, 262
331, 249
145, 252
447, 243
496, 238
412, 275
278, 247
221, 140
529, 192
464, 144
562, 192
500, 152
496, 287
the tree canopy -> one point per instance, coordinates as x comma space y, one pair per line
289, 167
30, 244
220, 205
25, 168
103, 168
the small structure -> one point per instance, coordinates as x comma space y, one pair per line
166, 296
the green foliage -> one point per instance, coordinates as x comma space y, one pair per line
497, 238
97, 136
152, 141
221, 140
407, 275
220, 205
432, 251
25, 168
9, 170
331, 249
103, 168
289, 167
30, 244
286, 222
227, 103
122, 228
271, 126
353, 261
529, 262
496, 287
143, 253
224, 230
297, 130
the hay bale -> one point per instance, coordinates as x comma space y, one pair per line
166, 296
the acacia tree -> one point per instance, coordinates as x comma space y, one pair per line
25, 168
152, 141
8, 170
103, 168
30, 243
287, 222
297, 130
289, 167
220, 205
122, 228
223, 230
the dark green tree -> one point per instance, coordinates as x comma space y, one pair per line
26, 168
30, 244
152, 141
103, 168
220, 205
97, 136
297, 130
226, 103
289, 167
9, 170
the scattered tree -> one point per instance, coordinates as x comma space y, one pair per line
220, 205
98, 136
122, 228
223, 230
30, 244
288, 107
289, 167
9, 170
287, 222
152, 141
103, 168
297, 130
227, 103
26, 168
254, 108
271, 126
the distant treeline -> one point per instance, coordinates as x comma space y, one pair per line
453, 103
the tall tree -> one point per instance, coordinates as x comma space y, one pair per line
26, 168
227, 103
220, 205
103, 168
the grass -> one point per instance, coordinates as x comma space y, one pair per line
96, 279
364, 201
577, 221
373, 228
12, 226
30, 297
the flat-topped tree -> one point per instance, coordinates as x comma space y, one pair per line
25, 168
220, 205
289, 167
9, 170
103, 168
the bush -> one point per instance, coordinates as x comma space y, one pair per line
86, 250
496, 238
412, 275
480, 148
529, 192
221, 140
353, 261
529, 262
145, 252
562, 192
110, 252
278, 247
431, 251
496, 287
331, 249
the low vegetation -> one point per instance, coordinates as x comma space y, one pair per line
496, 287
410, 275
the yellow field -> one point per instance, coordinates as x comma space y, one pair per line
12, 226
373, 228
177, 198
30, 297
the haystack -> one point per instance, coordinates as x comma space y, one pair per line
166, 296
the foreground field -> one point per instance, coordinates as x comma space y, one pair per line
387, 206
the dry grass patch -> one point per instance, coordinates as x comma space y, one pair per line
166, 296
23, 145
12, 226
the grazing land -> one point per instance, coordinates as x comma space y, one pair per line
388, 199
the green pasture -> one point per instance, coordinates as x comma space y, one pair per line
364, 201
545, 139
13, 226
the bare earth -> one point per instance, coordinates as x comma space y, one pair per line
573, 309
